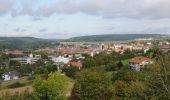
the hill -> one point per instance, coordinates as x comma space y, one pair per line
23, 42
113, 37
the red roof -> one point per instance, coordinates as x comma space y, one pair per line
76, 64
139, 60
165, 46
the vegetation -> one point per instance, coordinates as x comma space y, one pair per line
24, 42
54, 88
93, 85
110, 62
70, 71
112, 37
103, 77
16, 85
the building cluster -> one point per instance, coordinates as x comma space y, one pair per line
27, 59
91, 49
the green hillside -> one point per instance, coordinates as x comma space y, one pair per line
113, 37
22, 42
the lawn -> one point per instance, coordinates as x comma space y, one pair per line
125, 62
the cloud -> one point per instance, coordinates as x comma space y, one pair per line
104, 8
6, 6
17, 29
20, 30
36, 19
43, 30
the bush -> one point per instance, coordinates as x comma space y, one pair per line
70, 71
31, 78
16, 85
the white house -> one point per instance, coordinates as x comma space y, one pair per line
60, 59
10, 75
137, 62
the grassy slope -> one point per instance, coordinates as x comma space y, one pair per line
28, 86
21, 42
4, 89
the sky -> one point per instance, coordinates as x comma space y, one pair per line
63, 19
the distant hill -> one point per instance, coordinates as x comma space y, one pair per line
113, 37
23, 42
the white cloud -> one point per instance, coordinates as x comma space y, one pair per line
104, 8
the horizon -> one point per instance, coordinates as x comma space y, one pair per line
77, 36
63, 19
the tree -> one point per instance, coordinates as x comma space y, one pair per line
119, 64
54, 88
111, 66
157, 78
103, 59
40, 89
89, 62
57, 86
155, 53
93, 85
70, 71
44, 54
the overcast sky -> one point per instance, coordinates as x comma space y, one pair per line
68, 18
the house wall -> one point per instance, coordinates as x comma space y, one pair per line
135, 67
7, 77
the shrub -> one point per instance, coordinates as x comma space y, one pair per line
16, 85
31, 78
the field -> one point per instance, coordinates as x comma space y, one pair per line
27, 86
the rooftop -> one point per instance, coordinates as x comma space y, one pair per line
139, 60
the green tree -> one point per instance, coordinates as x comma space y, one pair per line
44, 54
155, 53
157, 78
40, 89
57, 86
89, 62
93, 85
54, 88
103, 59
70, 71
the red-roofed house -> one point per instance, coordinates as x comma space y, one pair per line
137, 62
165, 47
75, 64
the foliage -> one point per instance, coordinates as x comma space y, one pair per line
54, 88
23, 42
89, 62
16, 85
44, 54
57, 86
158, 78
111, 66
155, 53
93, 85
40, 89
120, 64
111, 37
107, 60
14, 63
152, 82
70, 71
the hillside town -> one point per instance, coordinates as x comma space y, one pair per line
73, 54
